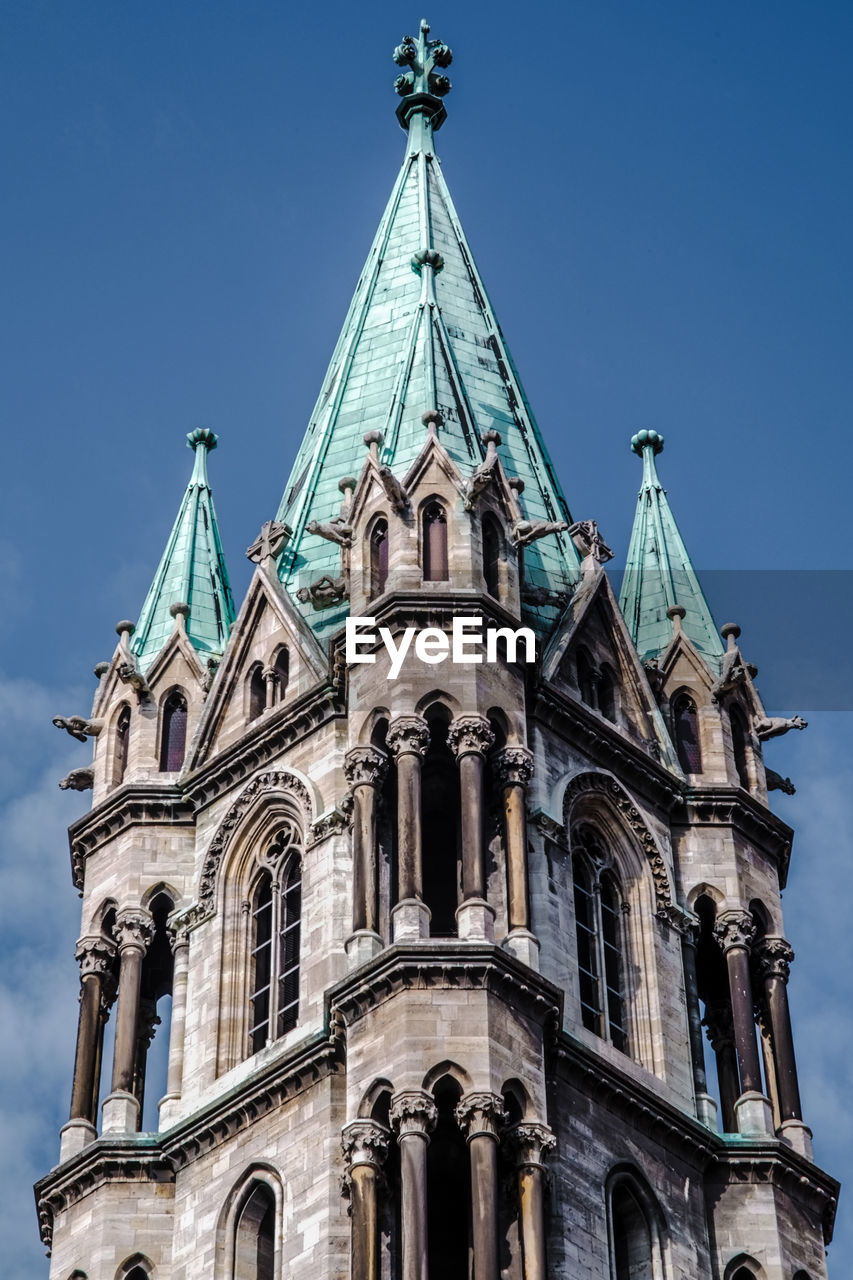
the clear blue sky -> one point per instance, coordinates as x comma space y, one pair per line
659, 198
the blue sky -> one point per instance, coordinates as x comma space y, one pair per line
659, 198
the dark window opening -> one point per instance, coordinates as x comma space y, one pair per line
632, 1245
259, 998
587, 943
276, 926
435, 543
739, 746
686, 724
257, 692
448, 1190
586, 678
150, 1068
611, 934
712, 982
122, 745
174, 733
492, 555
254, 1242
379, 558
607, 692
281, 671
441, 830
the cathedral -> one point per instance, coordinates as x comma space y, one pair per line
448, 878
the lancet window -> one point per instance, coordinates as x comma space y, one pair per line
276, 917
492, 555
173, 734
685, 724
434, 541
600, 939
256, 692
121, 744
739, 747
254, 1238
631, 1236
378, 572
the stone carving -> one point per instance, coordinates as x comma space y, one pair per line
78, 780
269, 542
589, 543
775, 782
408, 735
365, 766
479, 1113
79, 727
325, 592
364, 1142
654, 675
127, 669
734, 929
774, 956
541, 597
774, 726
210, 669
484, 475
95, 955
134, 928
333, 823
514, 766
470, 734
532, 1142
732, 676
337, 530
394, 491
526, 531
427, 258
719, 1025
413, 1111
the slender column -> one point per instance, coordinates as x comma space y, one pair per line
705, 1109
413, 1117
718, 1019
365, 1146
480, 1116
469, 738
179, 940
515, 769
532, 1143
133, 930
774, 962
95, 956
735, 931
408, 740
364, 768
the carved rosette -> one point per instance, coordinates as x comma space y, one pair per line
470, 735
774, 956
408, 735
133, 929
95, 955
365, 766
514, 766
365, 1142
480, 1113
532, 1143
734, 929
413, 1112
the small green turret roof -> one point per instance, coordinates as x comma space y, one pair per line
192, 571
420, 336
658, 573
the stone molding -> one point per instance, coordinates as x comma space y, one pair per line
365, 1142
470, 735
408, 735
734, 807
734, 929
514, 766
413, 1111
365, 766
774, 956
480, 1114
133, 930
532, 1143
125, 807
95, 955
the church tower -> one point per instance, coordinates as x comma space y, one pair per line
434, 861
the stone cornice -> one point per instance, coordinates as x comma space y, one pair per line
141, 804
608, 748
733, 807
754, 1161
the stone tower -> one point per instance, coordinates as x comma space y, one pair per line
433, 931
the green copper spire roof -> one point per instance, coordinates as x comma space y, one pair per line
192, 571
420, 335
659, 574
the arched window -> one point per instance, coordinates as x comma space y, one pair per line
611, 937
281, 671
254, 1238
739, 746
257, 692
586, 678
441, 827
587, 941
685, 723
631, 1239
435, 543
378, 574
607, 692
121, 745
136, 1268
598, 929
492, 555
173, 740
448, 1189
276, 919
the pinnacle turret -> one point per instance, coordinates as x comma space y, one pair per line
659, 575
191, 573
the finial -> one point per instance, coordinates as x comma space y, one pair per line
644, 438
730, 632
432, 420
125, 626
421, 87
373, 440
180, 611
202, 435
676, 614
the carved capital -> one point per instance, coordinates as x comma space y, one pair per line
133, 929
734, 929
514, 766
719, 1026
408, 735
532, 1143
469, 735
95, 955
365, 1142
480, 1113
365, 766
413, 1111
774, 957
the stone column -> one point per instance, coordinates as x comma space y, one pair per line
706, 1109
365, 1146
718, 1020
132, 931
480, 1116
364, 768
95, 956
408, 741
514, 767
774, 965
179, 940
735, 931
413, 1118
469, 738
532, 1143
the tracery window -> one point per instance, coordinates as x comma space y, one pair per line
276, 918
378, 574
599, 935
434, 522
121, 745
685, 723
173, 738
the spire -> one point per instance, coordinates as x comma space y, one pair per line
420, 337
658, 575
192, 571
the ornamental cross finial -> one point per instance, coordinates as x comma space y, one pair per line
421, 55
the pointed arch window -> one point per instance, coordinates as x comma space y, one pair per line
607, 691
631, 1236
492, 555
378, 574
121, 745
739, 746
685, 723
281, 671
600, 940
586, 678
434, 533
276, 925
257, 692
173, 739
254, 1238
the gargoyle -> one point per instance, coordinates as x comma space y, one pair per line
654, 675
774, 726
270, 540
324, 592
527, 531
589, 542
129, 673
79, 727
541, 596
337, 530
485, 474
78, 780
775, 782
397, 495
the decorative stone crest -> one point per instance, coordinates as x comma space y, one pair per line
469, 735
365, 766
133, 929
269, 542
408, 735
514, 766
480, 1113
531, 1142
413, 1111
365, 1142
734, 929
774, 956
95, 955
